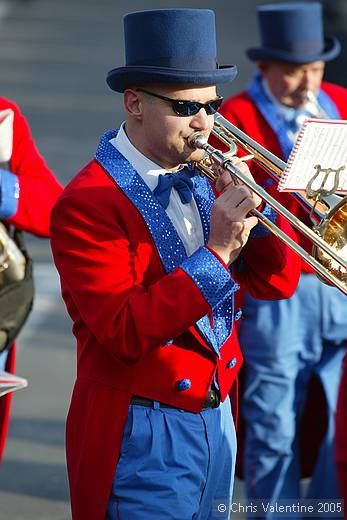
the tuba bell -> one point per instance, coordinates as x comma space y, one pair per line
12, 260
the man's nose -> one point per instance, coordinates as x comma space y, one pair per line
200, 121
308, 81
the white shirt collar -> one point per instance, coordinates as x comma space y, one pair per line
147, 169
185, 217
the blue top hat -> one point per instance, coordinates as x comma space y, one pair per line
293, 32
176, 46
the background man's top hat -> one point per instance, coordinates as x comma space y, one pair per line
293, 33
175, 46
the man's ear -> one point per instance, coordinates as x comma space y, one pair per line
133, 103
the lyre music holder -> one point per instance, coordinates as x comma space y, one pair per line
320, 192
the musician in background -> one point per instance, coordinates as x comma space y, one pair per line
286, 342
28, 190
148, 260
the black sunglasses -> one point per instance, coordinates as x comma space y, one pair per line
186, 108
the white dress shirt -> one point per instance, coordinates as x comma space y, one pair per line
185, 217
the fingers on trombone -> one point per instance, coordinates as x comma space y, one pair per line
224, 180
251, 222
247, 204
239, 160
248, 157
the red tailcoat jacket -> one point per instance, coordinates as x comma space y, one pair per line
242, 112
143, 313
38, 191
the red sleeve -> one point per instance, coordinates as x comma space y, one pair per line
269, 269
339, 95
39, 189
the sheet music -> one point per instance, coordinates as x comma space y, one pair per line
320, 143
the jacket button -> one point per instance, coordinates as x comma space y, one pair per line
183, 384
238, 314
231, 363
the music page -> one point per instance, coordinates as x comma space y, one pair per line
318, 158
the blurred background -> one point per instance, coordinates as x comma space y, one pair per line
54, 56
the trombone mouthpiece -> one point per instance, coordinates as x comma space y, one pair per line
198, 141
310, 96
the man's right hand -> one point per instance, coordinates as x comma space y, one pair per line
230, 220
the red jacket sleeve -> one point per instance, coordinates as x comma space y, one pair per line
39, 189
278, 264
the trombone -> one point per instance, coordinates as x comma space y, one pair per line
329, 213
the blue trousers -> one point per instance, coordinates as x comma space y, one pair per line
174, 465
284, 343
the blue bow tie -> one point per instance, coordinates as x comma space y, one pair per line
180, 180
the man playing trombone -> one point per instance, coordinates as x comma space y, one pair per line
149, 261
286, 342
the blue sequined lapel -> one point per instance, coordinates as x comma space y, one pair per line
168, 243
204, 197
222, 313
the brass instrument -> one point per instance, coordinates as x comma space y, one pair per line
12, 269
328, 213
311, 98
12, 260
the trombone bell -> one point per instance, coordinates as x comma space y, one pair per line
334, 232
